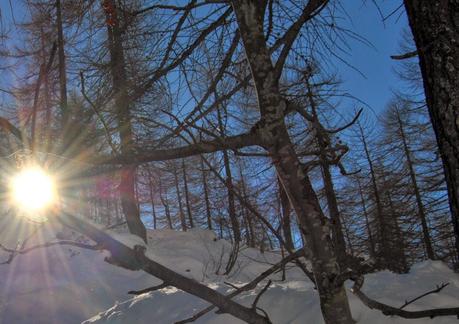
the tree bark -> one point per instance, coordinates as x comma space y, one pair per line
435, 27
273, 134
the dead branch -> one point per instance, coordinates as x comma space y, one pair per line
134, 258
98, 114
153, 288
15, 252
257, 298
405, 55
249, 286
230, 143
339, 129
434, 291
393, 311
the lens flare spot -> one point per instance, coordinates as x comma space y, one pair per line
32, 189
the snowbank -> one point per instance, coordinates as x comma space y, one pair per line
69, 285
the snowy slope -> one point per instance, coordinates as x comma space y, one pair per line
68, 285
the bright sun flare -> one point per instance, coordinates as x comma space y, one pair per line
33, 190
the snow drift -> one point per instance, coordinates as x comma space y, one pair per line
69, 285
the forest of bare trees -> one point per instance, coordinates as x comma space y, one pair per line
223, 115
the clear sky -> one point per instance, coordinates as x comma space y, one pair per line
374, 88
374, 62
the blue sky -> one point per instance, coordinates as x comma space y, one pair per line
374, 88
374, 62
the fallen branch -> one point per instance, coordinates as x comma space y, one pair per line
15, 252
434, 291
257, 298
134, 258
249, 286
393, 311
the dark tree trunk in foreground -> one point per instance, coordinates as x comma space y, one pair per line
123, 114
435, 27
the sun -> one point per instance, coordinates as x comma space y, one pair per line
32, 189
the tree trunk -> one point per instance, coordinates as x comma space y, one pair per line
435, 27
273, 135
123, 114
421, 210
62, 79
286, 223
152, 200
165, 204
367, 222
235, 226
250, 226
206, 196
179, 200
323, 143
384, 253
187, 195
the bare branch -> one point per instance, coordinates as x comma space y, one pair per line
405, 55
391, 311
310, 10
153, 288
249, 286
225, 143
15, 252
257, 299
339, 129
134, 258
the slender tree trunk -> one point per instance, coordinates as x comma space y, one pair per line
398, 248
367, 222
123, 114
206, 196
179, 200
62, 68
165, 204
421, 210
47, 101
321, 138
187, 195
384, 238
435, 29
286, 223
250, 226
152, 200
235, 226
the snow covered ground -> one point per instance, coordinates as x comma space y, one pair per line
62, 284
